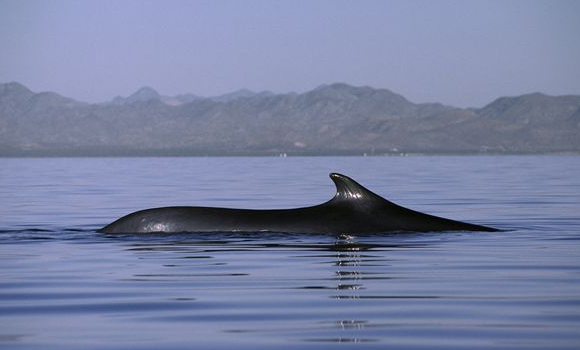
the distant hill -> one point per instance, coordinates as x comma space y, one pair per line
331, 119
146, 93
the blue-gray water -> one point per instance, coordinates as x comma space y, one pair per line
63, 286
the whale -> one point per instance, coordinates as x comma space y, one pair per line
353, 210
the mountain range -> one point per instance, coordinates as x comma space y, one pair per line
331, 119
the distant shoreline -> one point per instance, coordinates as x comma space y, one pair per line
332, 120
169, 154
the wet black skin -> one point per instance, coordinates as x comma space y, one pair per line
353, 210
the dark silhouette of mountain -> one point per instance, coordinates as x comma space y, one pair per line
331, 119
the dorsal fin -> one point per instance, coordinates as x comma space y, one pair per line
350, 190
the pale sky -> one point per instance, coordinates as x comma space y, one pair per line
462, 53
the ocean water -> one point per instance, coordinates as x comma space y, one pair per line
64, 286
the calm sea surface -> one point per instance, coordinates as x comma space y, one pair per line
63, 286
